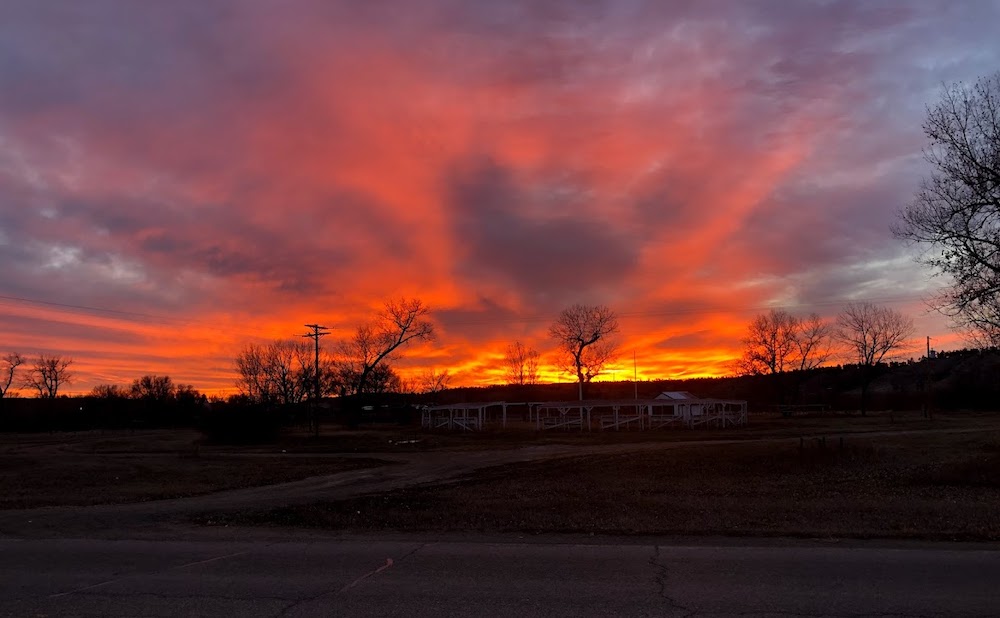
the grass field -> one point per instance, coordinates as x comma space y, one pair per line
393, 439
878, 482
932, 486
109, 468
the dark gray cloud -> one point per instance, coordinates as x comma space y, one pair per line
504, 232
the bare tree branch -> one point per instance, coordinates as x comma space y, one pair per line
8, 371
520, 364
813, 340
47, 375
871, 334
279, 372
956, 212
779, 341
152, 388
400, 323
770, 342
583, 333
431, 382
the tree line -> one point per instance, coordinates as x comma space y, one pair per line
866, 334
286, 372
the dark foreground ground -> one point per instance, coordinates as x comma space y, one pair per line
883, 476
90, 468
943, 486
487, 525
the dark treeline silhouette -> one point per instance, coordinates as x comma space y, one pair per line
149, 402
964, 379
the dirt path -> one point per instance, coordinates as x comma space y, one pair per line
169, 518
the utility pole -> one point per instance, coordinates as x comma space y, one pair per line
317, 332
635, 376
926, 380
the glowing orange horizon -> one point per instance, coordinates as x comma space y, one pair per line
200, 354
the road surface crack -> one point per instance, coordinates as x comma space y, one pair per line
389, 562
118, 577
660, 578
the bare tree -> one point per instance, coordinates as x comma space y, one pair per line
432, 381
771, 343
813, 339
779, 341
583, 333
520, 364
8, 371
152, 388
47, 375
956, 212
251, 369
109, 391
400, 323
871, 333
280, 372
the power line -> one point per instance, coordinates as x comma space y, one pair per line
133, 314
130, 316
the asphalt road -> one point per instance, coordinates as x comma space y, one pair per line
373, 577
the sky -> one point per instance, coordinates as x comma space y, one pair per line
178, 179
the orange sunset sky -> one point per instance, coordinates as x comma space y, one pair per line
180, 178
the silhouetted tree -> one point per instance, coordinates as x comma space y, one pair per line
150, 388
188, 399
770, 343
871, 333
187, 393
520, 364
8, 371
109, 391
583, 333
47, 375
813, 340
382, 379
431, 381
366, 356
956, 212
279, 372
778, 341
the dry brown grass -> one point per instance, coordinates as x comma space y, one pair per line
34, 480
939, 486
404, 440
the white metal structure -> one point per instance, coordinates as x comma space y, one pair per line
615, 414
640, 413
464, 416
